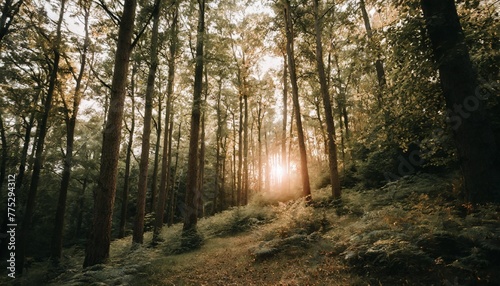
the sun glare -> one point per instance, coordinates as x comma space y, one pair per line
277, 173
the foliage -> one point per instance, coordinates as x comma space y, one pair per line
236, 220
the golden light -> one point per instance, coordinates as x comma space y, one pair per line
277, 173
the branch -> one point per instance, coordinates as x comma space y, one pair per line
114, 17
156, 9
98, 78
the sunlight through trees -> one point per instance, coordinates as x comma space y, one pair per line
118, 118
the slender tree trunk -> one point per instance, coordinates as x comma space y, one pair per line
142, 187
330, 125
201, 168
167, 139
284, 161
26, 144
267, 184
234, 188
128, 157
80, 205
475, 140
306, 188
97, 250
222, 193
71, 116
192, 193
322, 125
173, 192
239, 188
245, 150
218, 135
259, 147
154, 176
35, 177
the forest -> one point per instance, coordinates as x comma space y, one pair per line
236, 142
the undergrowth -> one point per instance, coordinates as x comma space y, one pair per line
410, 232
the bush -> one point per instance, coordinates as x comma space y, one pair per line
379, 162
236, 220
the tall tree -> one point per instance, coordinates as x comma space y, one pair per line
167, 139
138, 235
192, 193
70, 115
154, 175
477, 150
306, 187
37, 166
284, 161
330, 125
128, 159
97, 250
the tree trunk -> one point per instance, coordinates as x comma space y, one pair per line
192, 193
128, 157
167, 139
26, 145
246, 162
306, 188
475, 140
37, 167
97, 250
259, 146
142, 187
239, 188
218, 136
234, 187
173, 178
80, 210
201, 168
71, 116
154, 175
330, 125
284, 161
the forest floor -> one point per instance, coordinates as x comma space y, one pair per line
410, 232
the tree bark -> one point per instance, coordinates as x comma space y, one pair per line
474, 138
165, 177
218, 136
26, 144
138, 234
306, 188
37, 167
201, 167
284, 161
97, 250
128, 157
71, 116
192, 193
246, 162
173, 193
154, 176
80, 210
330, 125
